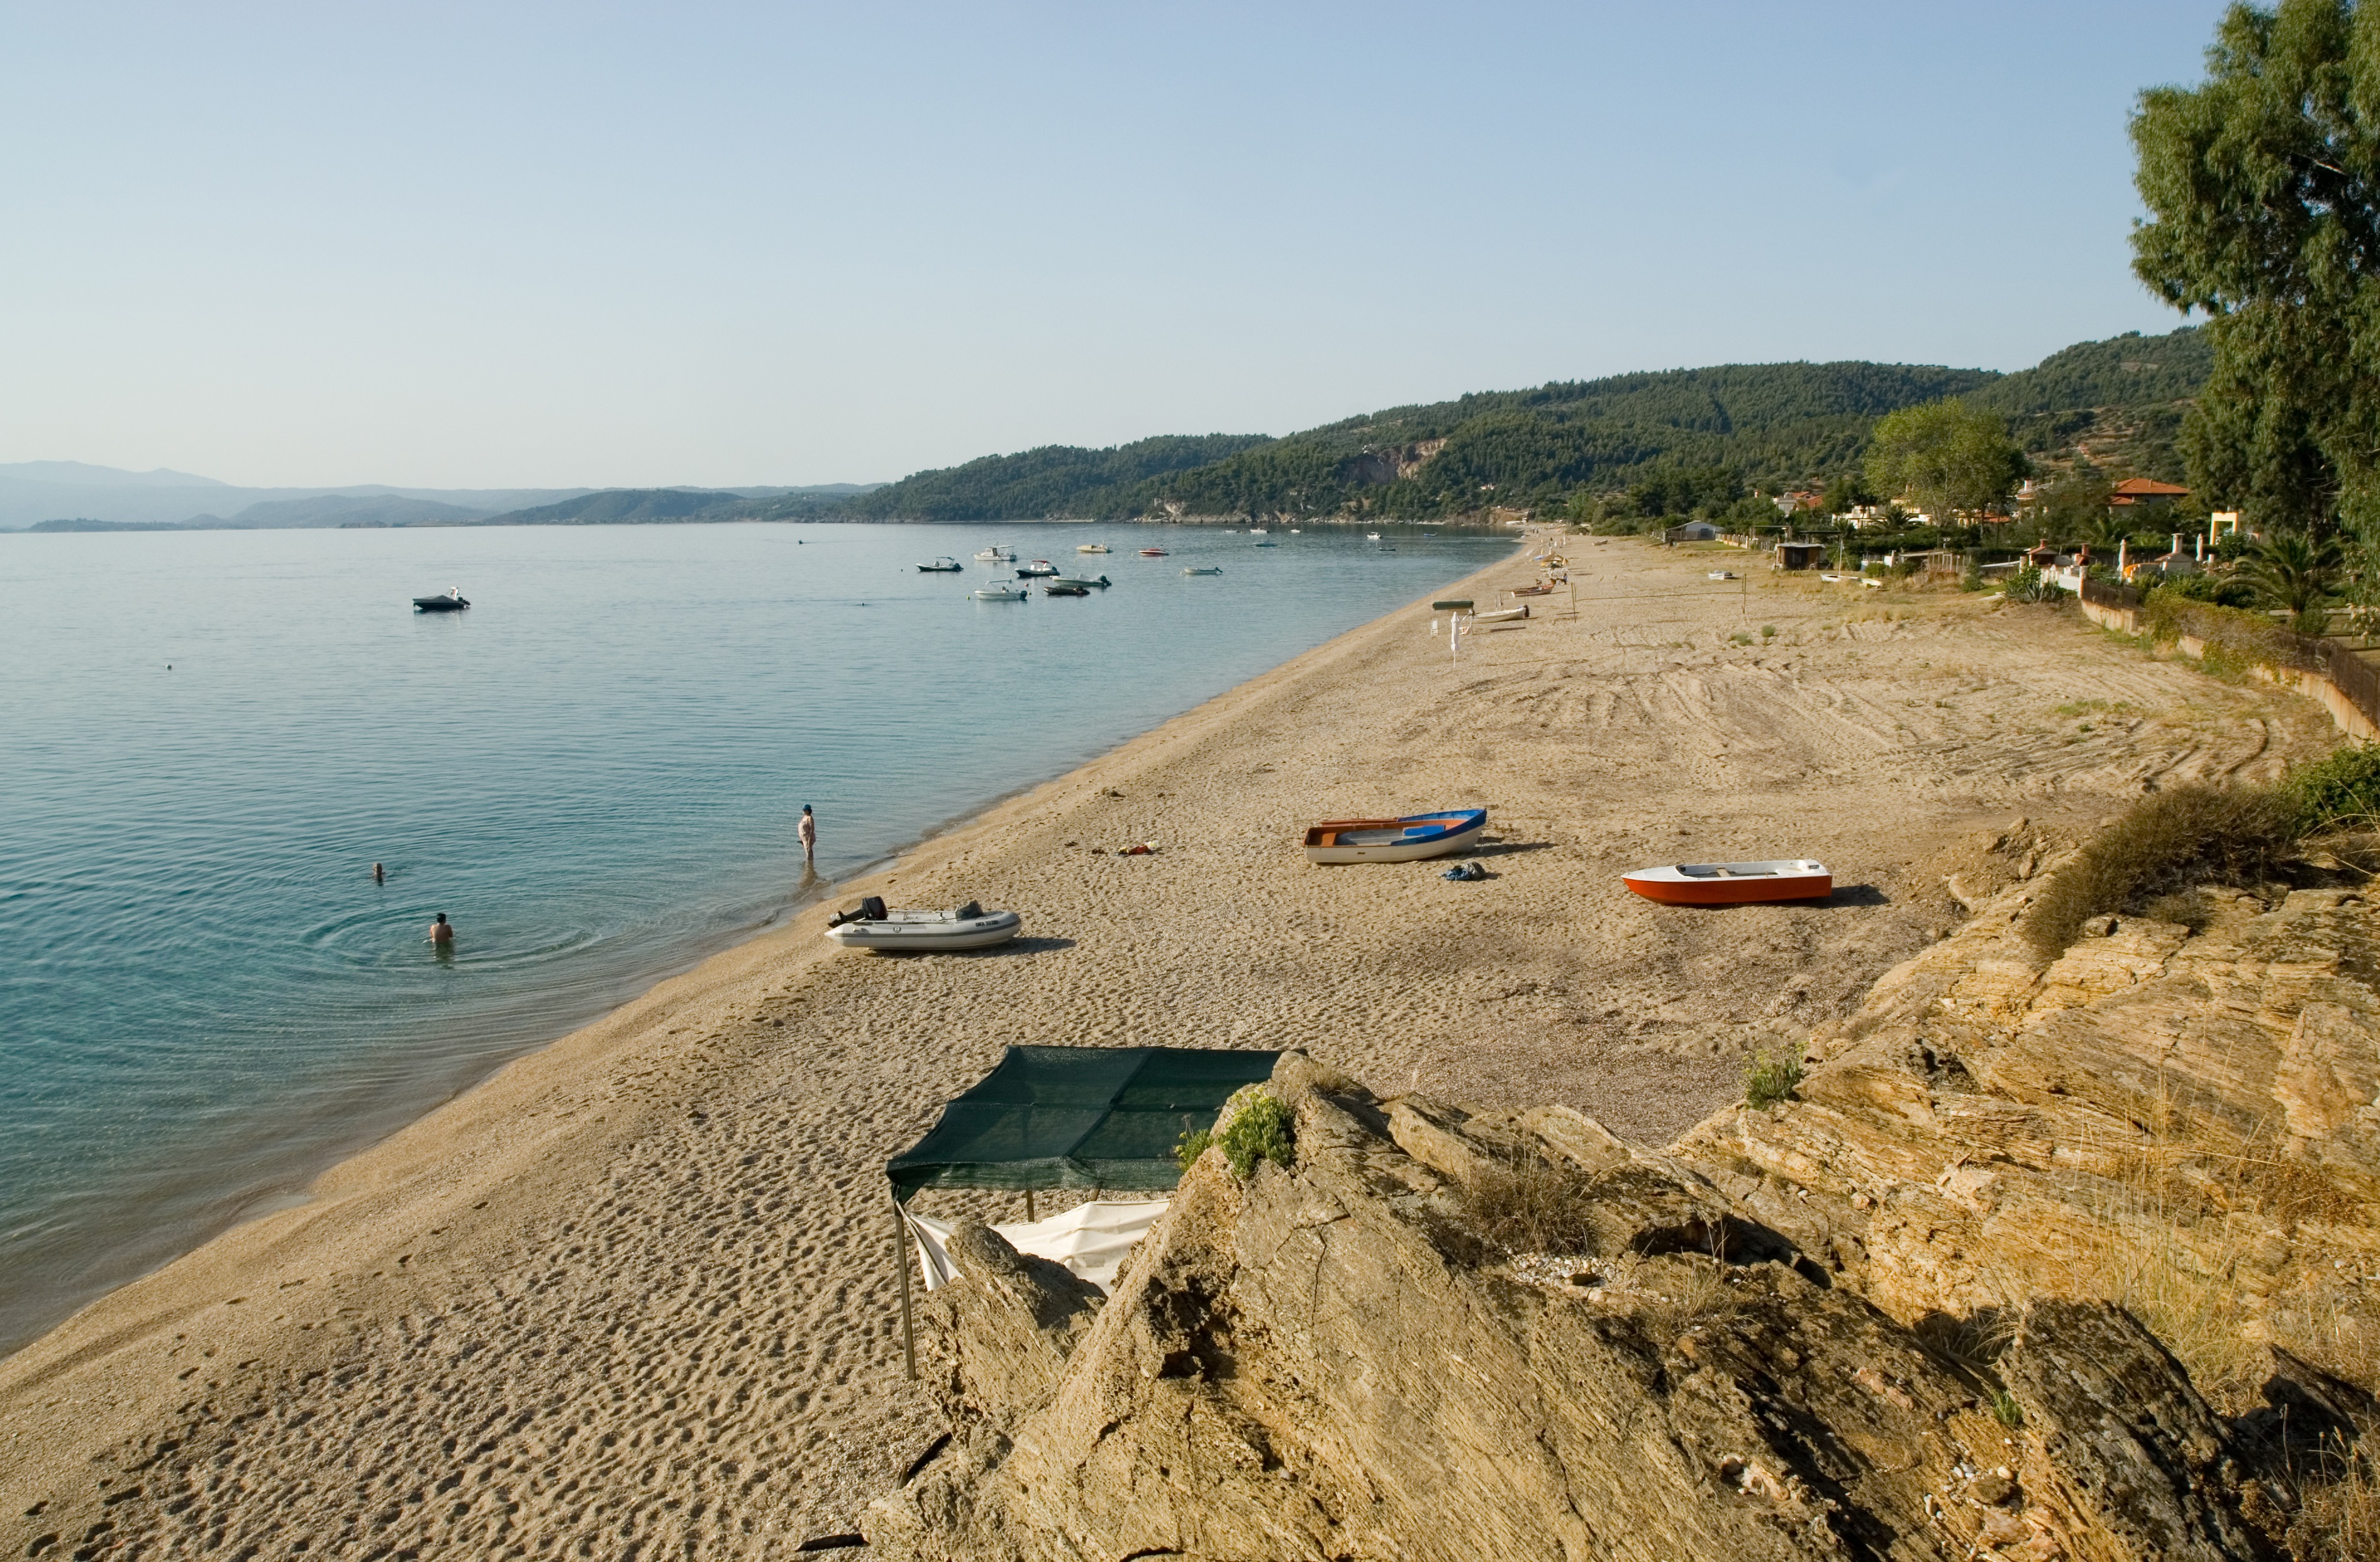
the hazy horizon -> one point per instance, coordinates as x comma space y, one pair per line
743, 246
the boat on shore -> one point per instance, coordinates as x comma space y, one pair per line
1202, 569
453, 602
1100, 584
1090, 547
943, 565
1732, 884
1395, 840
871, 925
999, 593
1502, 615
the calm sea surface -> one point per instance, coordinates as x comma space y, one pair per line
204, 998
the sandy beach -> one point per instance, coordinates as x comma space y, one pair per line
634, 1294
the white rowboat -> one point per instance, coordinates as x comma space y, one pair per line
917, 932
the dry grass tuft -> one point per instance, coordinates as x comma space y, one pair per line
2167, 842
1534, 1207
1685, 1292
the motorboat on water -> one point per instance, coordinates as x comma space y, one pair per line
1037, 570
943, 565
1371, 537
999, 593
1732, 884
1090, 547
1205, 569
1152, 553
996, 554
1395, 840
1059, 589
1268, 544
453, 602
1258, 531
872, 925
1102, 584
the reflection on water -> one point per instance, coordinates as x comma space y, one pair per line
206, 995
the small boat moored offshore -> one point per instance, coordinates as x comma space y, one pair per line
1732, 884
1209, 569
1102, 583
1061, 588
999, 593
1036, 570
454, 602
1152, 553
1395, 840
1090, 547
869, 926
996, 554
943, 565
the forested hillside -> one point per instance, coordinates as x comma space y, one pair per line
1054, 481
1764, 427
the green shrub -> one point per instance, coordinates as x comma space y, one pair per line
2029, 585
1771, 1077
2168, 615
2342, 788
2167, 842
2006, 1410
1255, 1125
2221, 590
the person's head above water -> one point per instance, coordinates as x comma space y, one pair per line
805, 807
441, 916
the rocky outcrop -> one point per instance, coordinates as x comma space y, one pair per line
1325, 1363
2044, 1259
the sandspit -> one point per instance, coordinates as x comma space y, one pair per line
634, 1293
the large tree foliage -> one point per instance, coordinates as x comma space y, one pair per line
1951, 457
2264, 188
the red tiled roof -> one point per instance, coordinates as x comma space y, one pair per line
2148, 487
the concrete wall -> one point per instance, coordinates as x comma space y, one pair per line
2314, 685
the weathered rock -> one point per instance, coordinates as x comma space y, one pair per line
1313, 1365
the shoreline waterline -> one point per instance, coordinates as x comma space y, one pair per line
282, 1198
209, 1001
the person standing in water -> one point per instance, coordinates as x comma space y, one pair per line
441, 932
808, 830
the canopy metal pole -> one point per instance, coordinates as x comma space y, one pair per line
901, 1263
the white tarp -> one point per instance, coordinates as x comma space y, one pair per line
1090, 1239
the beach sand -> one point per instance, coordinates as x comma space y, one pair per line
634, 1294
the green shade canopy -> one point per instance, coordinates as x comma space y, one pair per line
1077, 1117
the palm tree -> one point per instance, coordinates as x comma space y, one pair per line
2292, 570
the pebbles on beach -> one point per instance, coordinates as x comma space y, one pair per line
636, 1292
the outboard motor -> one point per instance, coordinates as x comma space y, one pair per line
871, 908
969, 912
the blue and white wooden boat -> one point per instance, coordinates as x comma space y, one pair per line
1395, 840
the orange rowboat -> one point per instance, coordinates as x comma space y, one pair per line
1732, 884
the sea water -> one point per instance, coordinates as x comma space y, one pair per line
208, 739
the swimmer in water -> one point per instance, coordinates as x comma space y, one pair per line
442, 931
379, 875
808, 830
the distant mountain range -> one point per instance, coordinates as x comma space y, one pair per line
74, 496
2116, 403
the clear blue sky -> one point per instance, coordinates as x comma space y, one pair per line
495, 243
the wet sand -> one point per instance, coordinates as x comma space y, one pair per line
634, 1294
